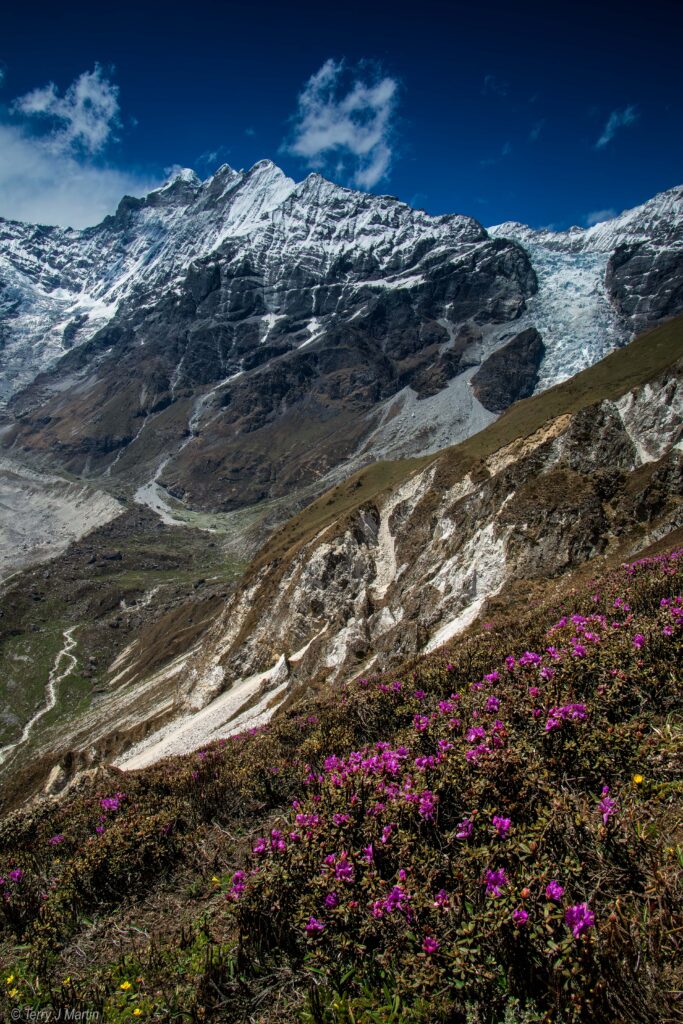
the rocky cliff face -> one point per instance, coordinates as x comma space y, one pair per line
511, 372
409, 570
605, 283
269, 362
538, 494
245, 338
58, 286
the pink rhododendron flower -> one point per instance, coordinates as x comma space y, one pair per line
495, 881
464, 829
386, 832
427, 805
579, 918
607, 805
442, 899
553, 890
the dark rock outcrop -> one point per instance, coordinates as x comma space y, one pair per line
645, 283
511, 372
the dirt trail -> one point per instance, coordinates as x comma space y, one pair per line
55, 677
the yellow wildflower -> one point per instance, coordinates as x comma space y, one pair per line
137, 1012
10, 979
638, 779
66, 980
125, 986
14, 992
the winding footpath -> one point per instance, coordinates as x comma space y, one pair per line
57, 674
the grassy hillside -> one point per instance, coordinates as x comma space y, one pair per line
492, 835
127, 578
611, 378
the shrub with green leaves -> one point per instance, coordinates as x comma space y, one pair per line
490, 834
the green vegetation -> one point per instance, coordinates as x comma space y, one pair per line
626, 368
98, 586
490, 835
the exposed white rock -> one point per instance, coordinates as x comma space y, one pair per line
41, 514
221, 717
652, 419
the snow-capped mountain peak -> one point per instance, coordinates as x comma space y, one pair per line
657, 219
59, 286
600, 285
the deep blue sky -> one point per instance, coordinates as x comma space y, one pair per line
474, 82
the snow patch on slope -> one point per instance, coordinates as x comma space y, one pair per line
222, 717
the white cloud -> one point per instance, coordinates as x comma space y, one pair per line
54, 176
40, 186
83, 118
617, 119
345, 118
598, 216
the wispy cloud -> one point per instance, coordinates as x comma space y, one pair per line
616, 120
598, 216
249, 131
535, 132
52, 168
344, 124
494, 86
83, 118
506, 149
211, 158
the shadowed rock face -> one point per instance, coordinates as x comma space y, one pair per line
265, 366
600, 286
398, 559
511, 372
645, 282
236, 339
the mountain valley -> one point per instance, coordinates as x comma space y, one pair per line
263, 435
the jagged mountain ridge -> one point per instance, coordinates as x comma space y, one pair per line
302, 322
77, 279
60, 285
656, 221
607, 282
248, 307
